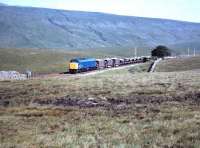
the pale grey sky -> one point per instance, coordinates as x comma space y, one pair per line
186, 10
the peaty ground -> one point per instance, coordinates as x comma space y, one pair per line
121, 108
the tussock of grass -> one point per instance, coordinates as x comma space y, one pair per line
158, 126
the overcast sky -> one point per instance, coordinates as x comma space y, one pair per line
186, 10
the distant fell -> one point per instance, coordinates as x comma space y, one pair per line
26, 27
2, 4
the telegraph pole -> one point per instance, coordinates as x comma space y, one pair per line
188, 52
135, 51
194, 52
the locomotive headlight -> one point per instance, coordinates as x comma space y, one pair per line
73, 65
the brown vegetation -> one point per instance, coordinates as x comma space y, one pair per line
115, 108
179, 64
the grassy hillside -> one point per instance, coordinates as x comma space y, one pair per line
47, 61
35, 60
58, 29
179, 64
115, 108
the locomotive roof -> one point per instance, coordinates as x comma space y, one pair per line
82, 59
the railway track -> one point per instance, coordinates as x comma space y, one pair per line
82, 74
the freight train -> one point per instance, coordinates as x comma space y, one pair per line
78, 65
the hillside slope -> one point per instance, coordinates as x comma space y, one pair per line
24, 27
2, 4
42, 61
179, 64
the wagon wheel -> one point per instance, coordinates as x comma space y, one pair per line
106, 64
97, 65
114, 63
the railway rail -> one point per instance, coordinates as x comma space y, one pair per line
66, 75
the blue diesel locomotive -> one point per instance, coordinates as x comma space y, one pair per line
82, 64
86, 64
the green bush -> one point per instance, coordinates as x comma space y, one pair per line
161, 51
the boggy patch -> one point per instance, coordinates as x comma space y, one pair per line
120, 102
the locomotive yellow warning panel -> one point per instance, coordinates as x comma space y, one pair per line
73, 65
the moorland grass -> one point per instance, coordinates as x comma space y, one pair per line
179, 64
147, 110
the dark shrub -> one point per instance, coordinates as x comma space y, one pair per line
161, 51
